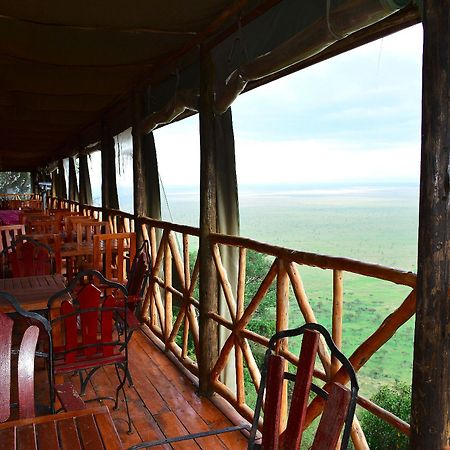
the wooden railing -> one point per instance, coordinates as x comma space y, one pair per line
171, 308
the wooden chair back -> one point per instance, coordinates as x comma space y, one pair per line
52, 241
60, 215
138, 275
44, 225
70, 225
29, 257
25, 369
17, 367
340, 401
89, 335
114, 254
9, 233
87, 229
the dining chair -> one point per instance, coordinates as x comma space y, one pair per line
28, 257
9, 233
138, 277
114, 254
44, 225
70, 225
338, 412
89, 338
17, 363
52, 240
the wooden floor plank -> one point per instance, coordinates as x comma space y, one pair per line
162, 402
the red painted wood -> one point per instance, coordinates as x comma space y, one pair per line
107, 326
299, 402
47, 436
27, 268
69, 397
272, 410
42, 265
26, 439
8, 438
70, 331
332, 420
6, 326
25, 372
89, 298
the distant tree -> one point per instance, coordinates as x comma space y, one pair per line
15, 182
379, 434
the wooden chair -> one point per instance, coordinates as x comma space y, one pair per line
88, 333
340, 402
45, 225
25, 360
28, 257
9, 233
339, 406
87, 229
54, 242
70, 225
114, 254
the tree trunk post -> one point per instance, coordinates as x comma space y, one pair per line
109, 185
430, 426
208, 330
139, 192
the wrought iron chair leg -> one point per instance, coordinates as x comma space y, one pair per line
83, 384
121, 387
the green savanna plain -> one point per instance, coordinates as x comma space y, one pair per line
376, 224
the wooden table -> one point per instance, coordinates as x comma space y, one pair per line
85, 429
31, 292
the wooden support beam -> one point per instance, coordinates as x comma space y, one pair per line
73, 185
208, 197
430, 426
139, 192
110, 198
85, 180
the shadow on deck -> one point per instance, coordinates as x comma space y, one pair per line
163, 402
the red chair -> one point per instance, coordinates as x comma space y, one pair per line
339, 406
340, 402
138, 276
89, 333
24, 373
28, 257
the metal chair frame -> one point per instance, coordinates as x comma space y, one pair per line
82, 280
252, 444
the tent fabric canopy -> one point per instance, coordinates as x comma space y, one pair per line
66, 67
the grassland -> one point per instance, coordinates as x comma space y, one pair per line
374, 224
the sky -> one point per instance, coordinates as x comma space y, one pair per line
353, 118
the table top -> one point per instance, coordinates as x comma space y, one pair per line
31, 292
85, 429
10, 216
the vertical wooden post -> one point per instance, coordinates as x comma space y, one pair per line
338, 299
62, 193
208, 333
283, 324
110, 198
430, 426
85, 180
139, 193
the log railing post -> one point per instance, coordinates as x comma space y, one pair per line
430, 421
338, 299
208, 344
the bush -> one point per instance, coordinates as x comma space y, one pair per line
380, 435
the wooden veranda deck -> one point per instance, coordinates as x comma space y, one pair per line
163, 402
